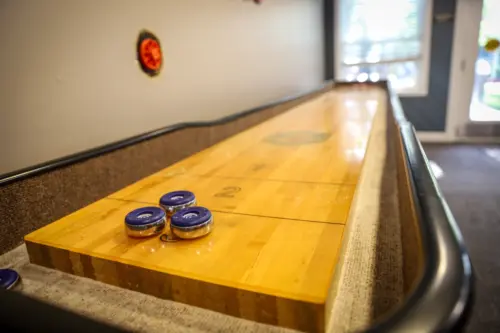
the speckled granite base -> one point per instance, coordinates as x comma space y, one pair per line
124, 308
369, 277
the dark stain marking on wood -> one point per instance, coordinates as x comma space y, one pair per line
258, 167
297, 138
228, 192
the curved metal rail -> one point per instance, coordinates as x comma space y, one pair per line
441, 300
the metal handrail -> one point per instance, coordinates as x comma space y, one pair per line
442, 298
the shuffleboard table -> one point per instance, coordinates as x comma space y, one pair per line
282, 195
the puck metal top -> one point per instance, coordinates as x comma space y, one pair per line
145, 215
177, 198
8, 278
191, 217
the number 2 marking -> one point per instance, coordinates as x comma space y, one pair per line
228, 192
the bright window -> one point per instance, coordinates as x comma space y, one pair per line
384, 39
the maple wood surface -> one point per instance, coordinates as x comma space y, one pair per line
280, 193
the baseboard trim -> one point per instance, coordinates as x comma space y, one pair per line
443, 137
435, 137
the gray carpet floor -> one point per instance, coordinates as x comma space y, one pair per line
471, 186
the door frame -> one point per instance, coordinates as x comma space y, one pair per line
462, 68
462, 73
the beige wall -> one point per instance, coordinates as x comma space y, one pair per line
69, 80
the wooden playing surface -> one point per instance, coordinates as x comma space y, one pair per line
280, 194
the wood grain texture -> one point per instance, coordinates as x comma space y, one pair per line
280, 193
413, 261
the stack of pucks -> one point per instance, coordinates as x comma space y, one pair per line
191, 222
177, 200
145, 222
8, 278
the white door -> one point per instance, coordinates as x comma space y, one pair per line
475, 76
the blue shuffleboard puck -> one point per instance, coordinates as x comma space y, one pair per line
191, 222
177, 200
145, 222
8, 278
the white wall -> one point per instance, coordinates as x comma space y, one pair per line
69, 80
